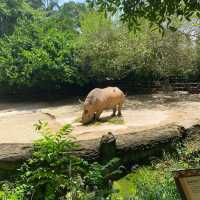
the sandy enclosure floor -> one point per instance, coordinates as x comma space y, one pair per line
139, 113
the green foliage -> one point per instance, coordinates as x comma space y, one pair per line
147, 184
150, 186
116, 120
47, 5
73, 11
10, 191
36, 3
38, 56
49, 48
95, 177
156, 12
54, 172
156, 182
196, 71
173, 56
41, 52
112, 52
10, 12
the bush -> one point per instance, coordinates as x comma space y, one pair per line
54, 172
52, 169
38, 56
112, 52
75, 45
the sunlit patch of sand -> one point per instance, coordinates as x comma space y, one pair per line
139, 113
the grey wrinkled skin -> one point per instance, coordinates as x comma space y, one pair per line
99, 100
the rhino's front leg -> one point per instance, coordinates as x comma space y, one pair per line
97, 115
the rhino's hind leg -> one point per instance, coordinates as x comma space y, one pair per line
114, 111
119, 114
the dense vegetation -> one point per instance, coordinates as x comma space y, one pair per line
156, 181
44, 47
54, 172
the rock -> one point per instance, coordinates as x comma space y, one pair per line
193, 131
11, 157
88, 149
133, 147
193, 137
137, 147
107, 147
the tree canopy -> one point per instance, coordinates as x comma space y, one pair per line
50, 48
156, 11
10, 12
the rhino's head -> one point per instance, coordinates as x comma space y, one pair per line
88, 113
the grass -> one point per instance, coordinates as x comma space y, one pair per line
116, 120
125, 187
128, 186
77, 120
156, 180
147, 183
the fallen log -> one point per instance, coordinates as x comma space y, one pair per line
131, 147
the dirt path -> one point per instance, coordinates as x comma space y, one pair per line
139, 113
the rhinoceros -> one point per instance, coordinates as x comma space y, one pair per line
101, 99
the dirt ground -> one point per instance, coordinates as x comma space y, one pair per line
140, 112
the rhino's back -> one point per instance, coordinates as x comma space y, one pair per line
104, 98
113, 92
106, 93
109, 97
